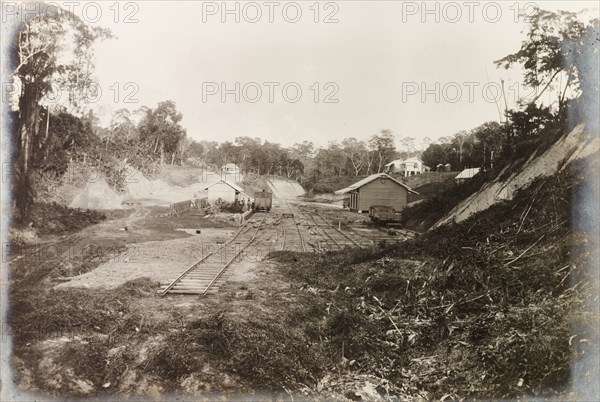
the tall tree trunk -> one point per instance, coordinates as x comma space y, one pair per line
47, 123
484, 156
28, 120
29, 110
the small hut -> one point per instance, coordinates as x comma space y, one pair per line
226, 191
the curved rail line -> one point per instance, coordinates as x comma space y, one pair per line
195, 281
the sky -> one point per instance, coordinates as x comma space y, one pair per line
418, 69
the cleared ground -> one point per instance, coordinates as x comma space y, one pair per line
470, 310
160, 248
99, 295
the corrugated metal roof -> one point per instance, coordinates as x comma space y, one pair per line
467, 173
369, 179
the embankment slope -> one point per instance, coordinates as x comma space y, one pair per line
575, 145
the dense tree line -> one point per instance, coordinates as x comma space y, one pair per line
479, 147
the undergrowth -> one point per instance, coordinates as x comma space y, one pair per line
56, 219
492, 297
425, 214
485, 308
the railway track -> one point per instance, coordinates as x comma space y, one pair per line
334, 237
292, 236
286, 230
206, 275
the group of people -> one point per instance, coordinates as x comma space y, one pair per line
246, 204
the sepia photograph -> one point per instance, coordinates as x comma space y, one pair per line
305, 200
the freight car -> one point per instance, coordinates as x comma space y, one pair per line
384, 213
263, 201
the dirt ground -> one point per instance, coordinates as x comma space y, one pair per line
154, 248
109, 273
352, 325
159, 247
158, 260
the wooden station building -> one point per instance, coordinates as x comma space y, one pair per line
377, 189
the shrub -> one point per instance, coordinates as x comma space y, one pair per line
321, 188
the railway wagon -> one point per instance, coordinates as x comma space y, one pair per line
384, 213
263, 201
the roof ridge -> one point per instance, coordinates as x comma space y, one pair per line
371, 178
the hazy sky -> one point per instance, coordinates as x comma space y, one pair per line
377, 58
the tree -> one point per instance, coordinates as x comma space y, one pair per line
458, 143
296, 169
383, 148
543, 53
209, 154
490, 137
329, 161
67, 135
161, 131
425, 143
122, 126
196, 150
337, 158
305, 151
559, 45
435, 154
356, 152
38, 65
408, 145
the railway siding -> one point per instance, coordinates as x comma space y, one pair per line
286, 227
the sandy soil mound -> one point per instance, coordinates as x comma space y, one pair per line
139, 187
285, 188
181, 176
97, 195
578, 144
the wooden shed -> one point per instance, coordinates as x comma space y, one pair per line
466, 174
226, 191
377, 189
